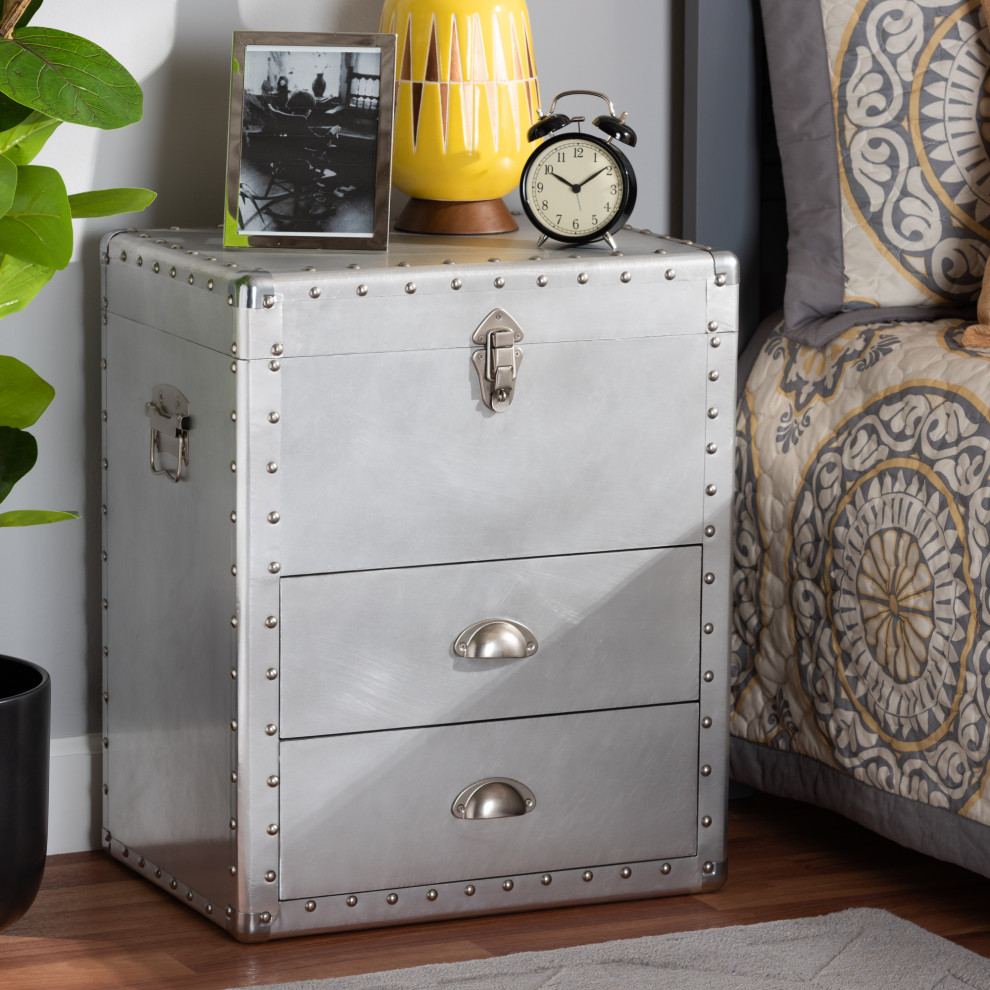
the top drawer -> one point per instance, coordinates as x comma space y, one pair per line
392, 460
378, 649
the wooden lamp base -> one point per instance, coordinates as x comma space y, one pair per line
435, 216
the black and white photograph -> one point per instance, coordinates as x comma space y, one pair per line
310, 140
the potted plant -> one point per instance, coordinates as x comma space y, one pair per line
47, 77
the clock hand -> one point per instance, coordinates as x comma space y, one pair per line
590, 177
573, 187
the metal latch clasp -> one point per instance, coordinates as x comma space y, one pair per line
498, 362
168, 411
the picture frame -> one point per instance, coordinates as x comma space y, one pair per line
309, 141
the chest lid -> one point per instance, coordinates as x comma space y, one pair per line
422, 293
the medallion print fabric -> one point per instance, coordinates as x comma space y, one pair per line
883, 121
862, 620
913, 155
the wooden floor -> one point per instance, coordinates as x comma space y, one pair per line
97, 925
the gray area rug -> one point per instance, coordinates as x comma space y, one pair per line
860, 949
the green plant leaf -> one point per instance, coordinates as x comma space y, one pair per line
22, 141
38, 225
8, 183
69, 78
24, 394
20, 282
18, 452
108, 202
34, 517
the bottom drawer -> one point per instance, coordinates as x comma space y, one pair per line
374, 810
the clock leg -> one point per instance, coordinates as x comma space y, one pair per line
607, 237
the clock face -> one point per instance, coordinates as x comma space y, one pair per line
576, 187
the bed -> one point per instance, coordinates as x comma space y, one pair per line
861, 595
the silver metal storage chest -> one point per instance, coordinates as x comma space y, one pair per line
416, 574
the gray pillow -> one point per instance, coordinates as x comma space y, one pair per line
882, 120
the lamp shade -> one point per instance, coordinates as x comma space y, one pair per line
466, 95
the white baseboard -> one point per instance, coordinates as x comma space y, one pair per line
74, 803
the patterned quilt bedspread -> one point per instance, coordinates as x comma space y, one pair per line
861, 648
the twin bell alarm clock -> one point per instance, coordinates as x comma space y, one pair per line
578, 187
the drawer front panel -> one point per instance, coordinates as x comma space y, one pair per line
373, 811
376, 649
392, 460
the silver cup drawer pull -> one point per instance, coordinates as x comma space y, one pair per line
496, 639
493, 797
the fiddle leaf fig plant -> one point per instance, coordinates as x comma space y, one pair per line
47, 77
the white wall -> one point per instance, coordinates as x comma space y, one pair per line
179, 50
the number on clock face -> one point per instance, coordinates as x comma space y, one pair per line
575, 187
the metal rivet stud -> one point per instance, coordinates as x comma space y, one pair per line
469, 890
709, 578
271, 622
274, 365
715, 341
706, 722
706, 822
709, 676
712, 448
710, 531
173, 884
189, 895
271, 467
665, 869
171, 272
625, 873
392, 898
706, 771
233, 621
265, 917
233, 517
720, 279
546, 879
625, 277
582, 278
410, 288
713, 376
191, 280
233, 725
310, 905
499, 283
271, 674
273, 517
670, 274
273, 780
208, 908
542, 281
456, 284
272, 829
587, 876
277, 350
269, 302
708, 868
315, 292
229, 912
209, 284
273, 417
274, 567
713, 413
362, 290
431, 895
710, 489
507, 885
271, 729
270, 876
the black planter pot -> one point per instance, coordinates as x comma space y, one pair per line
25, 716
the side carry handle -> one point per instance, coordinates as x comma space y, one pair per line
168, 411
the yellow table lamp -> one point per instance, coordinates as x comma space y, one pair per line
466, 96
